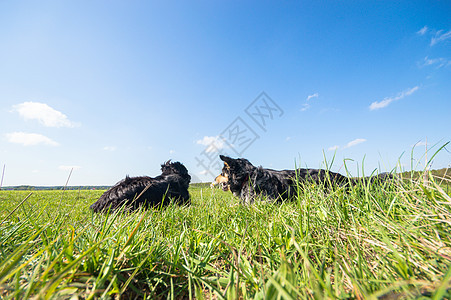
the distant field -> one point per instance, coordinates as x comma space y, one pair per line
389, 241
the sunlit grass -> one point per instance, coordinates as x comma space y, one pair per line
390, 239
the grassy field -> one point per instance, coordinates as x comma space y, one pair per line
388, 241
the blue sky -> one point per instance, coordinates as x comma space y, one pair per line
109, 88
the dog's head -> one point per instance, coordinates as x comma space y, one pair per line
175, 168
222, 181
236, 172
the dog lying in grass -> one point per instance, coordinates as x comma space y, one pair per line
133, 192
247, 182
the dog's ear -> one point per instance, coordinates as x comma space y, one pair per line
226, 159
165, 164
167, 167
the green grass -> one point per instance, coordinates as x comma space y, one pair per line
389, 240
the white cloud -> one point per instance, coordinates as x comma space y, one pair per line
348, 145
29, 139
437, 36
110, 148
354, 143
438, 62
305, 106
44, 114
440, 36
213, 143
68, 168
171, 151
204, 172
422, 31
333, 148
381, 104
315, 95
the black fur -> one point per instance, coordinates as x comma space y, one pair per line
134, 192
247, 181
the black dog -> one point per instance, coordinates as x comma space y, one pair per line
133, 192
247, 181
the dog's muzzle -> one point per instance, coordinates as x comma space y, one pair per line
225, 186
222, 181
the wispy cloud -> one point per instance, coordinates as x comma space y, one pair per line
422, 31
305, 106
171, 151
354, 143
110, 148
29, 139
436, 36
383, 103
440, 36
213, 143
315, 95
348, 145
437, 62
44, 114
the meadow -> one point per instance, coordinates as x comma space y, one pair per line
390, 240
